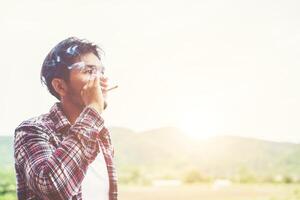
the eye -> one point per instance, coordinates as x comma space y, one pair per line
89, 71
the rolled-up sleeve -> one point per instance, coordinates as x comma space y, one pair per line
57, 172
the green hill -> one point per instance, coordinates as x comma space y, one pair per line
169, 151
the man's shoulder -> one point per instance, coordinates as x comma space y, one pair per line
41, 122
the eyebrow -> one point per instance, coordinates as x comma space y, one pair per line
92, 66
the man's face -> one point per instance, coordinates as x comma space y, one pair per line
78, 78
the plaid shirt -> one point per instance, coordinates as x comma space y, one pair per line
52, 156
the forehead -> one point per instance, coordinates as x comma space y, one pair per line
90, 59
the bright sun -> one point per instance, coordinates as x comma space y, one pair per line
199, 127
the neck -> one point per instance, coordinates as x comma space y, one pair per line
70, 110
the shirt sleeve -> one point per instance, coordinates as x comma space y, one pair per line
57, 172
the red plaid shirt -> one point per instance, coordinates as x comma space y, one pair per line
52, 156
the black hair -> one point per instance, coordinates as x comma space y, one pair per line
64, 54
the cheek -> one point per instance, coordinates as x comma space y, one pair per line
77, 82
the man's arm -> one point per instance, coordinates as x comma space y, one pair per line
57, 173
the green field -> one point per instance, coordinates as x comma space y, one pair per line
206, 192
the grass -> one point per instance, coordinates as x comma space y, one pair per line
205, 191
196, 192
8, 197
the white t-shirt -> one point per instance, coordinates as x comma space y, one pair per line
95, 185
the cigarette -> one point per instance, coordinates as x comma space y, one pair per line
114, 87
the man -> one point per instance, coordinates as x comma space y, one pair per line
67, 153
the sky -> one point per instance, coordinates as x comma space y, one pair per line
208, 67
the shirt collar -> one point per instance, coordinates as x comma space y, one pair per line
59, 118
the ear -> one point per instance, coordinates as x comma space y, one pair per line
59, 86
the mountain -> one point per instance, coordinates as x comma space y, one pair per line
168, 150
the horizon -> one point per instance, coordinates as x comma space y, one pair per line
202, 139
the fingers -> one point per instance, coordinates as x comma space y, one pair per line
103, 84
85, 87
93, 82
104, 78
97, 84
90, 81
96, 81
89, 84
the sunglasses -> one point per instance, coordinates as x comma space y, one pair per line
93, 70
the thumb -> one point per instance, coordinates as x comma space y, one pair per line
97, 81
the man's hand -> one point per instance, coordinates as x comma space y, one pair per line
104, 86
94, 93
